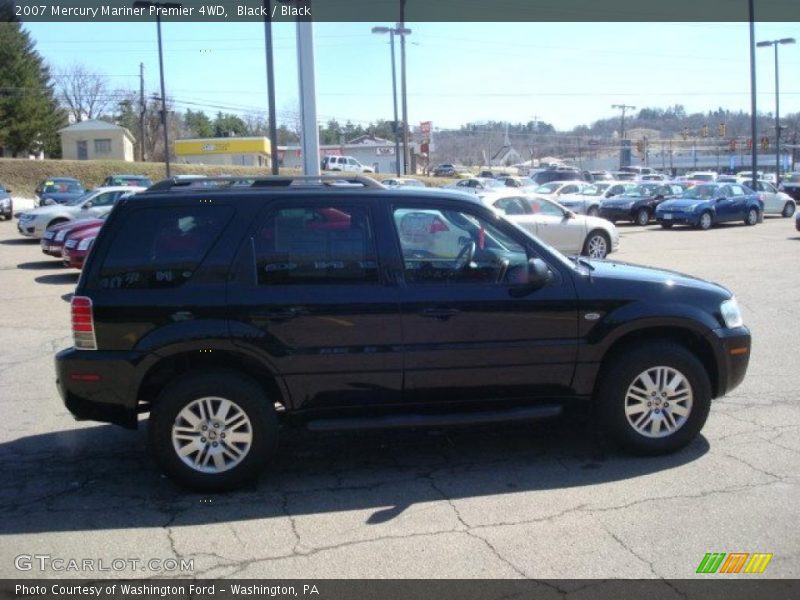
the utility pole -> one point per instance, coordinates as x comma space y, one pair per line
754, 156
273, 127
623, 108
142, 112
402, 31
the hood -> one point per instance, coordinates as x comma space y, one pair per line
681, 203
80, 224
667, 280
622, 201
85, 232
45, 210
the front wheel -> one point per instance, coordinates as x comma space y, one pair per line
212, 431
752, 217
655, 398
706, 221
597, 245
642, 217
788, 209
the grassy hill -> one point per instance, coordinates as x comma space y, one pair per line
22, 176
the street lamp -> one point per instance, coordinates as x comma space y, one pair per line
159, 6
776, 43
391, 32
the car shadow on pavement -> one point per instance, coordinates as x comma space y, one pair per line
67, 297
59, 279
40, 265
101, 477
20, 242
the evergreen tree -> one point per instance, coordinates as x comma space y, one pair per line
29, 114
198, 123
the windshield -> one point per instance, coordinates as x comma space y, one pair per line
61, 187
702, 177
79, 200
700, 192
548, 188
642, 191
595, 190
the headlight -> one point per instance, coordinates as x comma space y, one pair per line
731, 313
26, 217
86, 243
61, 235
4, 201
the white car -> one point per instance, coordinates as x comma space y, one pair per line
591, 197
402, 182
94, 204
557, 226
775, 202
555, 189
344, 163
477, 185
705, 176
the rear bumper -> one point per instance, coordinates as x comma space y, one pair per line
99, 386
732, 350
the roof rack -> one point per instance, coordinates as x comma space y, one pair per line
262, 181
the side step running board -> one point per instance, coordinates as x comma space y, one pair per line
436, 420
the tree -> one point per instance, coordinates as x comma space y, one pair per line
29, 115
227, 124
83, 92
198, 124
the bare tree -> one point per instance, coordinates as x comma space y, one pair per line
83, 92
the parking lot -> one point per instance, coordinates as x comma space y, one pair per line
539, 501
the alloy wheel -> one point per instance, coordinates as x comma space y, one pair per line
658, 402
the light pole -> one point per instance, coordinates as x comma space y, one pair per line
776, 43
273, 128
391, 32
159, 6
623, 108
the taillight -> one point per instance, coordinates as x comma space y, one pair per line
438, 226
83, 323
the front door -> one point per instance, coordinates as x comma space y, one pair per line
317, 305
471, 328
83, 151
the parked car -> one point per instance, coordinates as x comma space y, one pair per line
638, 204
134, 180
396, 182
653, 177
514, 181
705, 205
559, 174
775, 202
6, 203
561, 228
344, 326
34, 223
77, 245
790, 184
637, 170
701, 177
624, 176
344, 163
444, 170
53, 239
58, 190
475, 185
560, 188
598, 176
591, 197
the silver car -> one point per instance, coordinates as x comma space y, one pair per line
94, 204
590, 198
775, 202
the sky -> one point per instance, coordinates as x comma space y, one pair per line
566, 74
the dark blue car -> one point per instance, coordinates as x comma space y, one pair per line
707, 204
58, 190
6, 204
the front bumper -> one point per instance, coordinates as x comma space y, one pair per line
732, 353
99, 386
679, 218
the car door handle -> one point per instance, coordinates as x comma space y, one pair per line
442, 314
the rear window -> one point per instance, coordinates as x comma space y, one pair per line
161, 247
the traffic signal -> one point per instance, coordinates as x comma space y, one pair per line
722, 129
705, 130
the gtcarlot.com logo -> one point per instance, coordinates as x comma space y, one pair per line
735, 562
45, 562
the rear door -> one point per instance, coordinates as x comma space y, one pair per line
724, 204
739, 196
471, 329
557, 229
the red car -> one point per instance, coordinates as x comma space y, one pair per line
53, 239
77, 245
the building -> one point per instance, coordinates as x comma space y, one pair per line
239, 151
96, 140
370, 151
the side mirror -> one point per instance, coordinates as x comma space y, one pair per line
539, 274
86, 205
568, 214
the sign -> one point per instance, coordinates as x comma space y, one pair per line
425, 128
388, 151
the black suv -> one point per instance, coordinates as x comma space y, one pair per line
227, 311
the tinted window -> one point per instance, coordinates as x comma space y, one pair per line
513, 206
444, 246
161, 247
737, 190
333, 244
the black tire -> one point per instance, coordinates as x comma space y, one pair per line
705, 224
752, 217
248, 395
788, 210
666, 225
589, 243
621, 373
642, 217
593, 212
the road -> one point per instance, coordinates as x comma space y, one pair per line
539, 501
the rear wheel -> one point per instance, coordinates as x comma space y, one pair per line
212, 431
642, 217
597, 245
655, 398
667, 225
706, 221
752, 217
788, 209
55, 222
593, 211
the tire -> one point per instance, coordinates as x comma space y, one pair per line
642, 217
55, 222
645, 432
752, 217
198, 393
593, 212
788, 210
706, 221
666, 225
596, 245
